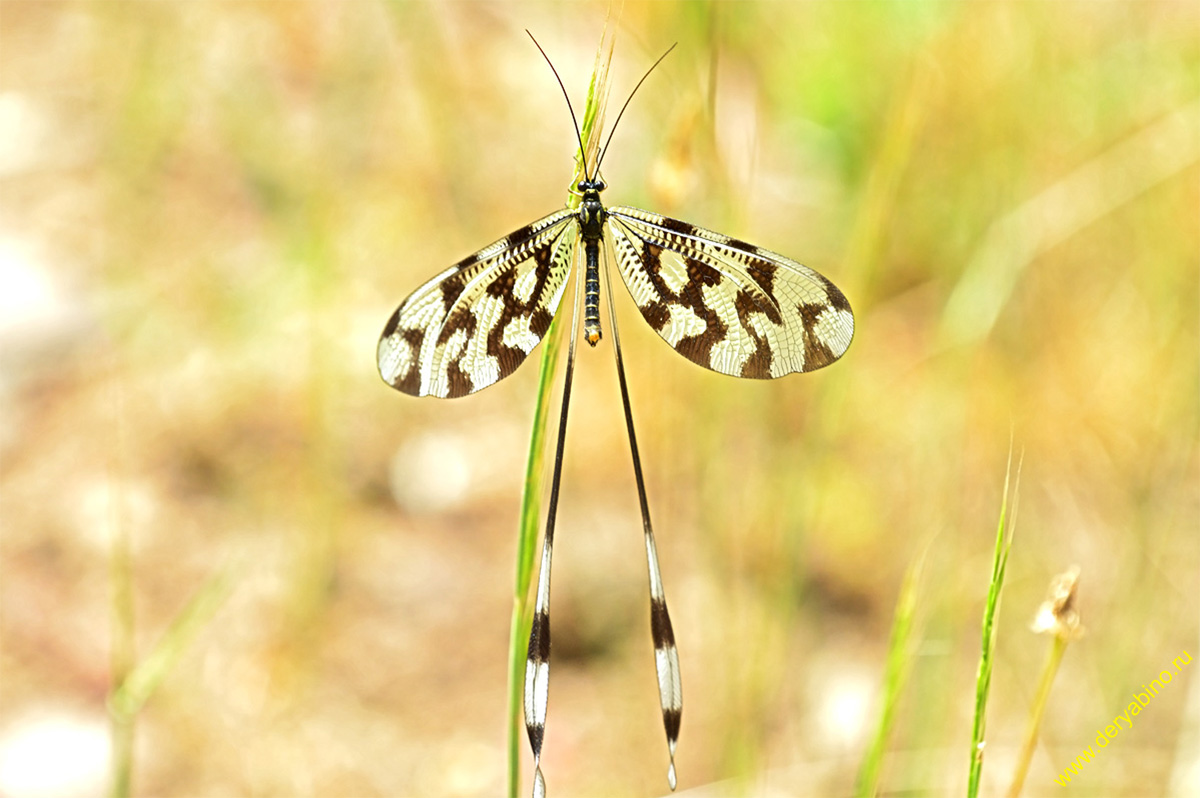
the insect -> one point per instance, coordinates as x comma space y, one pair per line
722, 303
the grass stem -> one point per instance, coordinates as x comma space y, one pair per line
1059, 616
983, 679
1035, 715
899, 661
131, 693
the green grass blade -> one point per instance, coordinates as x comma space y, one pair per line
124, 649
899, 661
983, 679
132, 694
522, 614
140, 683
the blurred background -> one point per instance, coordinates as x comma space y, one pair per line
209, 210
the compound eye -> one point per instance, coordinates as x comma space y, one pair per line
599, 184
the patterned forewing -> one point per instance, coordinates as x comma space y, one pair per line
474, 323
727, 305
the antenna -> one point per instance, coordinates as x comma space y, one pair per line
613, 129
574, 121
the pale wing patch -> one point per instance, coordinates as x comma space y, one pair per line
526, 281
396, 356
835, 326
683, 322
518, 335
454, 346
667, 665
673, 270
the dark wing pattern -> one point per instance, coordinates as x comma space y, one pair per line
474, 323
725, 304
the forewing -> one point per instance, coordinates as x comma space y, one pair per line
727, 305
474, 323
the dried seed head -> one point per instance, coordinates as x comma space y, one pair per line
1058, 613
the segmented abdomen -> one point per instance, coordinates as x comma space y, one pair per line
591, 293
